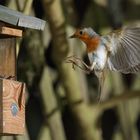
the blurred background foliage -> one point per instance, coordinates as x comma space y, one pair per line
61, 103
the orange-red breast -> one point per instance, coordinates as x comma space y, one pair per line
116, 51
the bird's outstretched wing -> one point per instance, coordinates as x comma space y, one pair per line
124, 48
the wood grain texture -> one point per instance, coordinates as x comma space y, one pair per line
10, 31
7, 57
1, 106
13, 107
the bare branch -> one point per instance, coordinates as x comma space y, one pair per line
127, 95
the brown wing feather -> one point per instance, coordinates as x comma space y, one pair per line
125, 50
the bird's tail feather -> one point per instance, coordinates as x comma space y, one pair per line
101, 80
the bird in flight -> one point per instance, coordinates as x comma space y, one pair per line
116, 51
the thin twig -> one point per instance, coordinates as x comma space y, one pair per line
27, 6
127, 95
18, 5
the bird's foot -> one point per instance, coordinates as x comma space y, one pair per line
75, 62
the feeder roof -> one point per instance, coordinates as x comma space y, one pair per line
19, 19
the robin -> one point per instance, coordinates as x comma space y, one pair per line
116, 51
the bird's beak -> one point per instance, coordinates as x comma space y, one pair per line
73, 36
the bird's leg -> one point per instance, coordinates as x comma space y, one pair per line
75, 63
92, 66
74, 60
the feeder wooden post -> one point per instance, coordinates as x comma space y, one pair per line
12, 100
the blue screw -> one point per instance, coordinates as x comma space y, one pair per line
14, 109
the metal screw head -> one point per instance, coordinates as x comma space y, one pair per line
14, 109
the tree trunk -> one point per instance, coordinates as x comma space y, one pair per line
68, 76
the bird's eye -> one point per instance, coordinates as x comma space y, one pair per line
81, 32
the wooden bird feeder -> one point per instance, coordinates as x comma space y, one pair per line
12, 92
